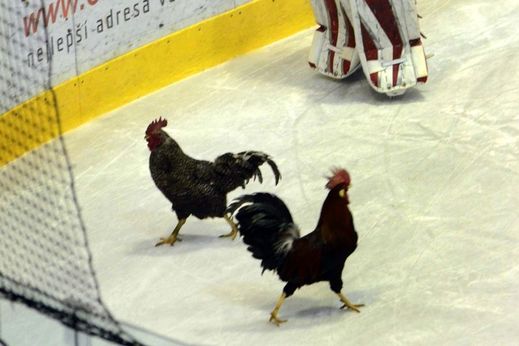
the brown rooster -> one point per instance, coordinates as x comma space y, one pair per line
267, 228
196, 187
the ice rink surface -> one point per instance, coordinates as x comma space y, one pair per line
435, 194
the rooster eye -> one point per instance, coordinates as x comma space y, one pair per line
342, 193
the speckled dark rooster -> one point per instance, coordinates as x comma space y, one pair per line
197, 187
267, 228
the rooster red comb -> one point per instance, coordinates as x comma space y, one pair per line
339, 176
156, 125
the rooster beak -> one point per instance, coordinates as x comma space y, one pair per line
342, 193
146, 136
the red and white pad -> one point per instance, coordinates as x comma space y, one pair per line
389, 44
383, 35
333, 48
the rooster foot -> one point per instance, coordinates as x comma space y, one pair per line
348, 304
169, 240
275, 320
354, 307
234, 229
231, 234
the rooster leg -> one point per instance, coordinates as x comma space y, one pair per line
274, 314
234, 229
174, 235
348, 304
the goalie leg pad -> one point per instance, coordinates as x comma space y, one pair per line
389, 45
333, 50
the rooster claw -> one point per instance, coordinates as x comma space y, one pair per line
354, 307
275, 320
169, 240
232, 235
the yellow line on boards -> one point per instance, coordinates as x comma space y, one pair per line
151, 67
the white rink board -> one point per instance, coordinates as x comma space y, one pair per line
98, 30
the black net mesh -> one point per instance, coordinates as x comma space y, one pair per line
45, 261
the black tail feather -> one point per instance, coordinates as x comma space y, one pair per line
259, 176
267, 227
237, 169
277, 173
256, 159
